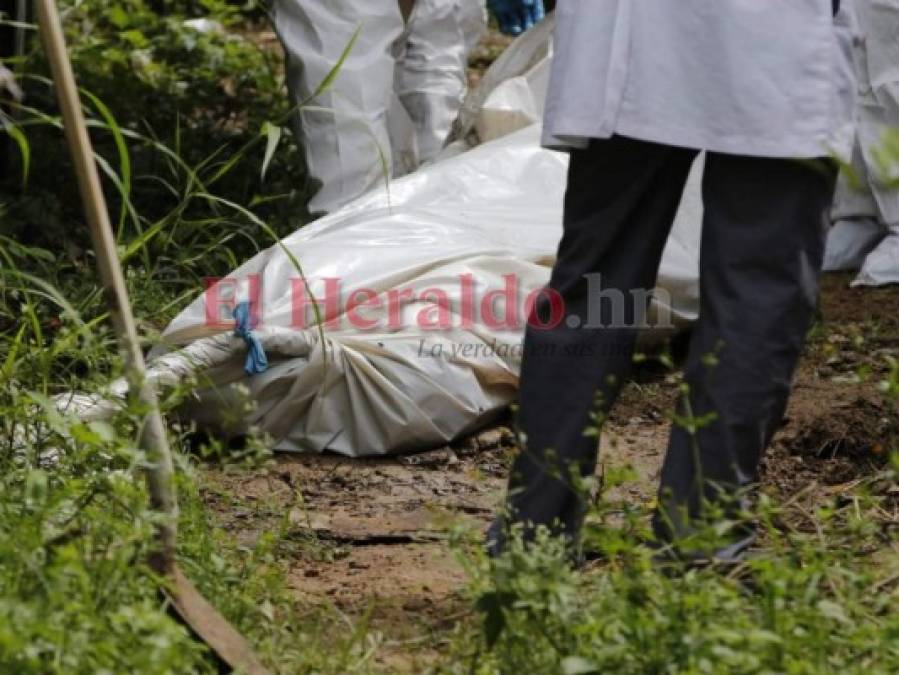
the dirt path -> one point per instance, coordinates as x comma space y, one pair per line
371, 534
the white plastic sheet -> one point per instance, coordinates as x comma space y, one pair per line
881, 267
866, 208
447, 238
512, 93
486, 214
849, 242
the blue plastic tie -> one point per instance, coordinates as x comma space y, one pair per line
256, 361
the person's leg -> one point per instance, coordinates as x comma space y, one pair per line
762, 249
346, 135
432, 76
621, 200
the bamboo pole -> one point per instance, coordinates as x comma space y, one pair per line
193, 608
21, 18
152, 435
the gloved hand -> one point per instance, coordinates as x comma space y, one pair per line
256, 361
516, 16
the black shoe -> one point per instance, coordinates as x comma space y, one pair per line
669, 555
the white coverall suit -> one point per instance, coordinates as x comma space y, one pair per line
866, 207
395, 98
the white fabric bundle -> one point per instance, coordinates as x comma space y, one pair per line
866, 206
451, 239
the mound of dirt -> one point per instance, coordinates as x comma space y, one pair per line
860, 429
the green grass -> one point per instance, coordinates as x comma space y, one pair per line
818, 597
76, 593
198, 179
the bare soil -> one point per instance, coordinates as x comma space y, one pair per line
371, 535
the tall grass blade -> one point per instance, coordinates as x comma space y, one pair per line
272, 135
24, 149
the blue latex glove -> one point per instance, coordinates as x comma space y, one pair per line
256, 361
516, 16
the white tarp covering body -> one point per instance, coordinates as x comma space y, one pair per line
512, 93
394, 100
489, 213
866, 207
463, 243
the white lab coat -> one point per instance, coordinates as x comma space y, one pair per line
769, 78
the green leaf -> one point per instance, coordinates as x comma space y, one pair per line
273, 137
9, 364
124, 184
117, 16
577, 665
24, 149
138, 244
491, 605
833, 611
50, 292
103, 430
135, 38
328, 81
36, 487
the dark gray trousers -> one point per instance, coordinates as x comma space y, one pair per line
762, 248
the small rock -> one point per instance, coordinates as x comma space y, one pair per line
491, 439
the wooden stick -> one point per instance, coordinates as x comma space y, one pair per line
152, 435
206, 622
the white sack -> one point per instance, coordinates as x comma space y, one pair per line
489, 212
493, 211
881, 267
849, 242
512, 93
866, 206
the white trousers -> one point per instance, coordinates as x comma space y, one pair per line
393, 102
